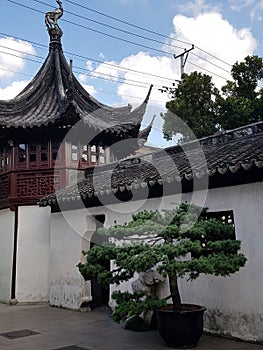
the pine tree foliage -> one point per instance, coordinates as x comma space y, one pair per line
181, 242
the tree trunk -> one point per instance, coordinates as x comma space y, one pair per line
174, 290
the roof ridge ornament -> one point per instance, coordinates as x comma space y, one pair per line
52, 17
53, 28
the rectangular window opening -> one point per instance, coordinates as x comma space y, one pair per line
226, 217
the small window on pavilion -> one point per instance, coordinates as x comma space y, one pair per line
32, 147
85, 155
93, 154
32, 158
44, 157
3, 159
54, 150
74, 152
102, 155
32, 152
21, 152
44, 146
44, 152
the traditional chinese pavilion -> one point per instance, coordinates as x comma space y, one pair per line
51, 129
34, 124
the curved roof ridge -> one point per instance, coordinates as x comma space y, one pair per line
144, 133
59, 80
56, 82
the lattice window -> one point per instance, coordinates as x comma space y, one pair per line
36, 155
37, 185
22, 153
32, 150
44, 152
55, 151
102, 157
74, 153
224, 216
4, 186
92, 155
85, 154
4, 159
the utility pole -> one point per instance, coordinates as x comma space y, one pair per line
170, 90
183, 58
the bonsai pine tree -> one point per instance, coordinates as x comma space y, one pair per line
179, 242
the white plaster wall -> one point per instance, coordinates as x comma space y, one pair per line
71, 232
7, 221
70, 235
32, 277
235, 303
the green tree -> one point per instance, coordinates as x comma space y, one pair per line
178, 242
246, 76
194, 102
241, 102
205, 109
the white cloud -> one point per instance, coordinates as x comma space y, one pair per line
196, 7
209, 31
238, 5
12, 90
107, 71
254, 8
131, 2
90, 88
206, 29
159, 71
213, 34
256, 11
82, 78
12, 56
89, 65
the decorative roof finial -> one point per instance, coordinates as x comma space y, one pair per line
52, 17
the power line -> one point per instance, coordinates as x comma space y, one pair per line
147, 38
144, 29
112, 27
96, 90
204, 59
210, 54
16, 72
196, 65
95, 30
13, 55
113, 36
93, 74
92, 59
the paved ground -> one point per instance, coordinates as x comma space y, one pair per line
72, 330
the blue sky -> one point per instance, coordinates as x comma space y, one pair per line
118, 72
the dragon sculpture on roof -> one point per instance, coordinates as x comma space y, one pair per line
52, 17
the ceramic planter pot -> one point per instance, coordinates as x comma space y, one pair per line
181, 328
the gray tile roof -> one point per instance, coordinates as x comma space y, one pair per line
54, 91
224, 154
